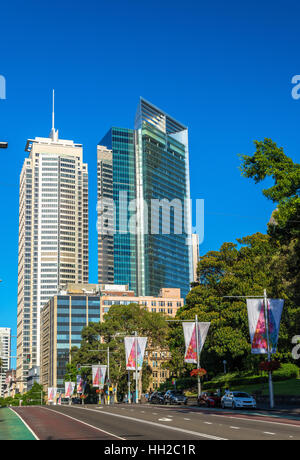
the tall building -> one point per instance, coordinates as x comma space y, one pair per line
196, 256
5, 354
53, 235
147, 177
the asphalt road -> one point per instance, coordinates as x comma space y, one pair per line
147, 422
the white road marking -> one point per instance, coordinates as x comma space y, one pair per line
235, 427
168, 427
87, 424
256, 420
186, 419
268, 432
165, 419
28, 427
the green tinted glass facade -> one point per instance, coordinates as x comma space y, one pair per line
166, 254
150, 163
121, 142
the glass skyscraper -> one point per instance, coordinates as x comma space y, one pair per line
151, 243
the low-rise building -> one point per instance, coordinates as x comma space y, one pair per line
75, 306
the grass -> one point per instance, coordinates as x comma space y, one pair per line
289, 387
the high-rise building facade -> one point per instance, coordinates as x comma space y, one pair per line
53, 235
5, 355
196, 256
149, 183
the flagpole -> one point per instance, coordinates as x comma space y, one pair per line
136, 369
269, 351
198, 355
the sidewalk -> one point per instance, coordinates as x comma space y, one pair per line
12, 428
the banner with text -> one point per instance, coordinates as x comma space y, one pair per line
135, 350
98, 374
52, 394
69, 389
257, 324
189, 330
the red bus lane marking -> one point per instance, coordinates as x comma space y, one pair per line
49, 424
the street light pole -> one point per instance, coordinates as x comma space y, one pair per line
269, 351
136, 369
198, 355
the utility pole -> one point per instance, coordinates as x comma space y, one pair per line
198, 355
136, 369
269, 351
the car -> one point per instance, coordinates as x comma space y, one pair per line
209, 399
76, 401
156, 398
175, 397
238, 399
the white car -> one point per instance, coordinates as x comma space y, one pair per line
236, 399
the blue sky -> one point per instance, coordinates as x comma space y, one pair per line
222, 68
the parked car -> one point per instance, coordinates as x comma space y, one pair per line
209, 399
238, 399
76, 401
175, 397
156, 398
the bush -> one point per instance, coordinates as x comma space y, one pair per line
287, 371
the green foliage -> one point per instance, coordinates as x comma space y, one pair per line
246, 268
270, 161
33, 397
119, 322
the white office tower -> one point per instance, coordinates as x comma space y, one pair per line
53, 235
5, 336
196, 256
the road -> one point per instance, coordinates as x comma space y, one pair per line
147, 422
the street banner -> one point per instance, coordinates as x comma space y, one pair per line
69, 389
59, 399
257, 324
131, 345
189, 330
80, 384
98, 373
52, 394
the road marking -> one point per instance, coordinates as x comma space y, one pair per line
87, 424
207, 423
186, 419
268, 432
235, 427
256, 420
27, 426
168, 427
165, 419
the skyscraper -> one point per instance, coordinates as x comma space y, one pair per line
53, 234
5, 338
150, 247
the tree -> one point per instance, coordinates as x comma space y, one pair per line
270, 161
284, 226
119, 322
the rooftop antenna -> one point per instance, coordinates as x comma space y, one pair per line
53, 133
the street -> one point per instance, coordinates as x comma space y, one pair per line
145, 422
